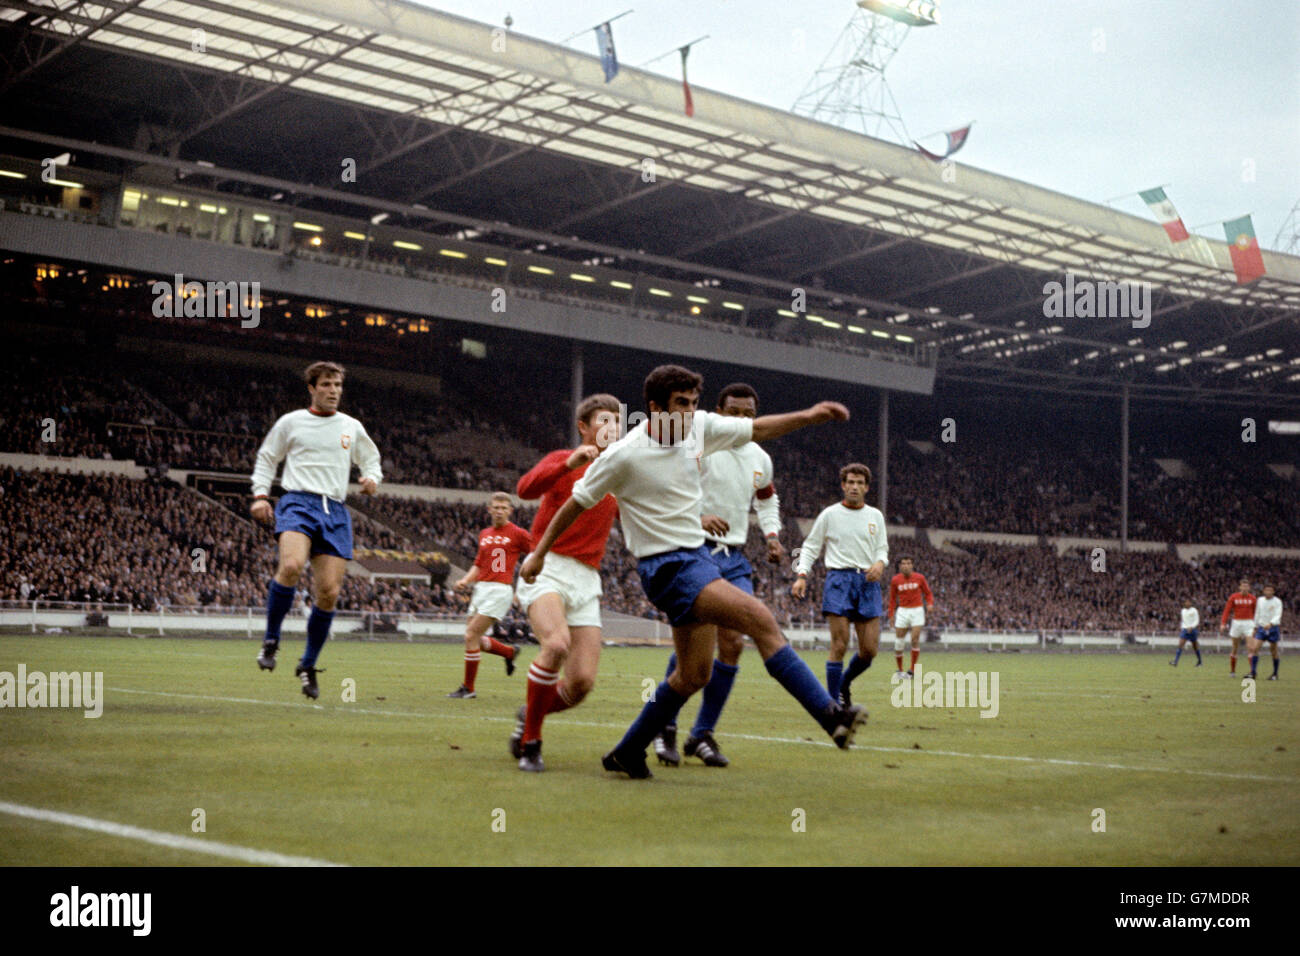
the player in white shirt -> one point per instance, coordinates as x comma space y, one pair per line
1268, 627
1190, 621
318, 445
654, 473
734, 480
853, 536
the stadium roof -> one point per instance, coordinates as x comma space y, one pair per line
526, 132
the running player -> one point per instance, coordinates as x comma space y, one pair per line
654, 472
733, 480
1268, 627
906, 591
1241, 608
853, 534
492, 577
1191, 621
318, 445
563, 604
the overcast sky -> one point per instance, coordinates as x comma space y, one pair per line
1093, 98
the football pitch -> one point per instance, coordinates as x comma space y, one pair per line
1175, 765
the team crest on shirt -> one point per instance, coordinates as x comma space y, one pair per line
871, 527
758, 476
345, 441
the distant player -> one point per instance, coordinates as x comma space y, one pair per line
492, 577
907, 592
733, 480
1241, 608
563, 603
1268, 627
654, 472
1191, 622
318, 446
853, 535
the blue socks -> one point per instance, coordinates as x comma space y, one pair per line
716, 693
279, 599
1177, 654
793, 674
1254, 662
318, 628
856, 666
834, 673
1276, 661
658, 713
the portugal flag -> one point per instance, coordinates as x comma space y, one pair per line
1244, 249
1165, 212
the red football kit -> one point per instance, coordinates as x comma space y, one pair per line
908, 592
1240, 607
553, 481
499, 550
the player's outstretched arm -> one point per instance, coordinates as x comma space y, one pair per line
774, 426
563, 519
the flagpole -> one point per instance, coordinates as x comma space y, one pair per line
676, 49
1220, 222
595, 25
1129, 195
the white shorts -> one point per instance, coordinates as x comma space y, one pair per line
1241, 628
577, 584
909, 617
491, 599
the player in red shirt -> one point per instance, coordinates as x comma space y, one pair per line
563, 604
492, 577
1241, 608
907, 591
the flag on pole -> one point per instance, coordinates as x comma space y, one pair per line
608, 58
956, 140
1165, 213
1247, 261
686, 87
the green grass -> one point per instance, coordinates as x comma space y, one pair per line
405, 776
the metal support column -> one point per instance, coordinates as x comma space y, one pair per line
882, 477
575, 391
1123, 471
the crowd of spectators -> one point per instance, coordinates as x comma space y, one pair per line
151, 544
116, 540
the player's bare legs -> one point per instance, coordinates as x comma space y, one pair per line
916, 647
295, 551
327, 573
576, 651
900, 635
1232, 658
476, 642
1252, 651
694, 644
868, 637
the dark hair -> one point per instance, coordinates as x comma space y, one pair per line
600, 402
316, 370
906, 557
737, 390
666, 379
855, 468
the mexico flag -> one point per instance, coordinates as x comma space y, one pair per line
1165, 212
1247, 261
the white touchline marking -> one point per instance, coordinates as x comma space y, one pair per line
171, 840
770, 740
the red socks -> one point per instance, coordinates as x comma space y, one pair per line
500, 650
471, 669
915, 654
542, 692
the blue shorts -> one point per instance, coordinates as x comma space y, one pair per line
330, 531
673, 580
847, 592
1188, 635
734, 567
1271, 634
